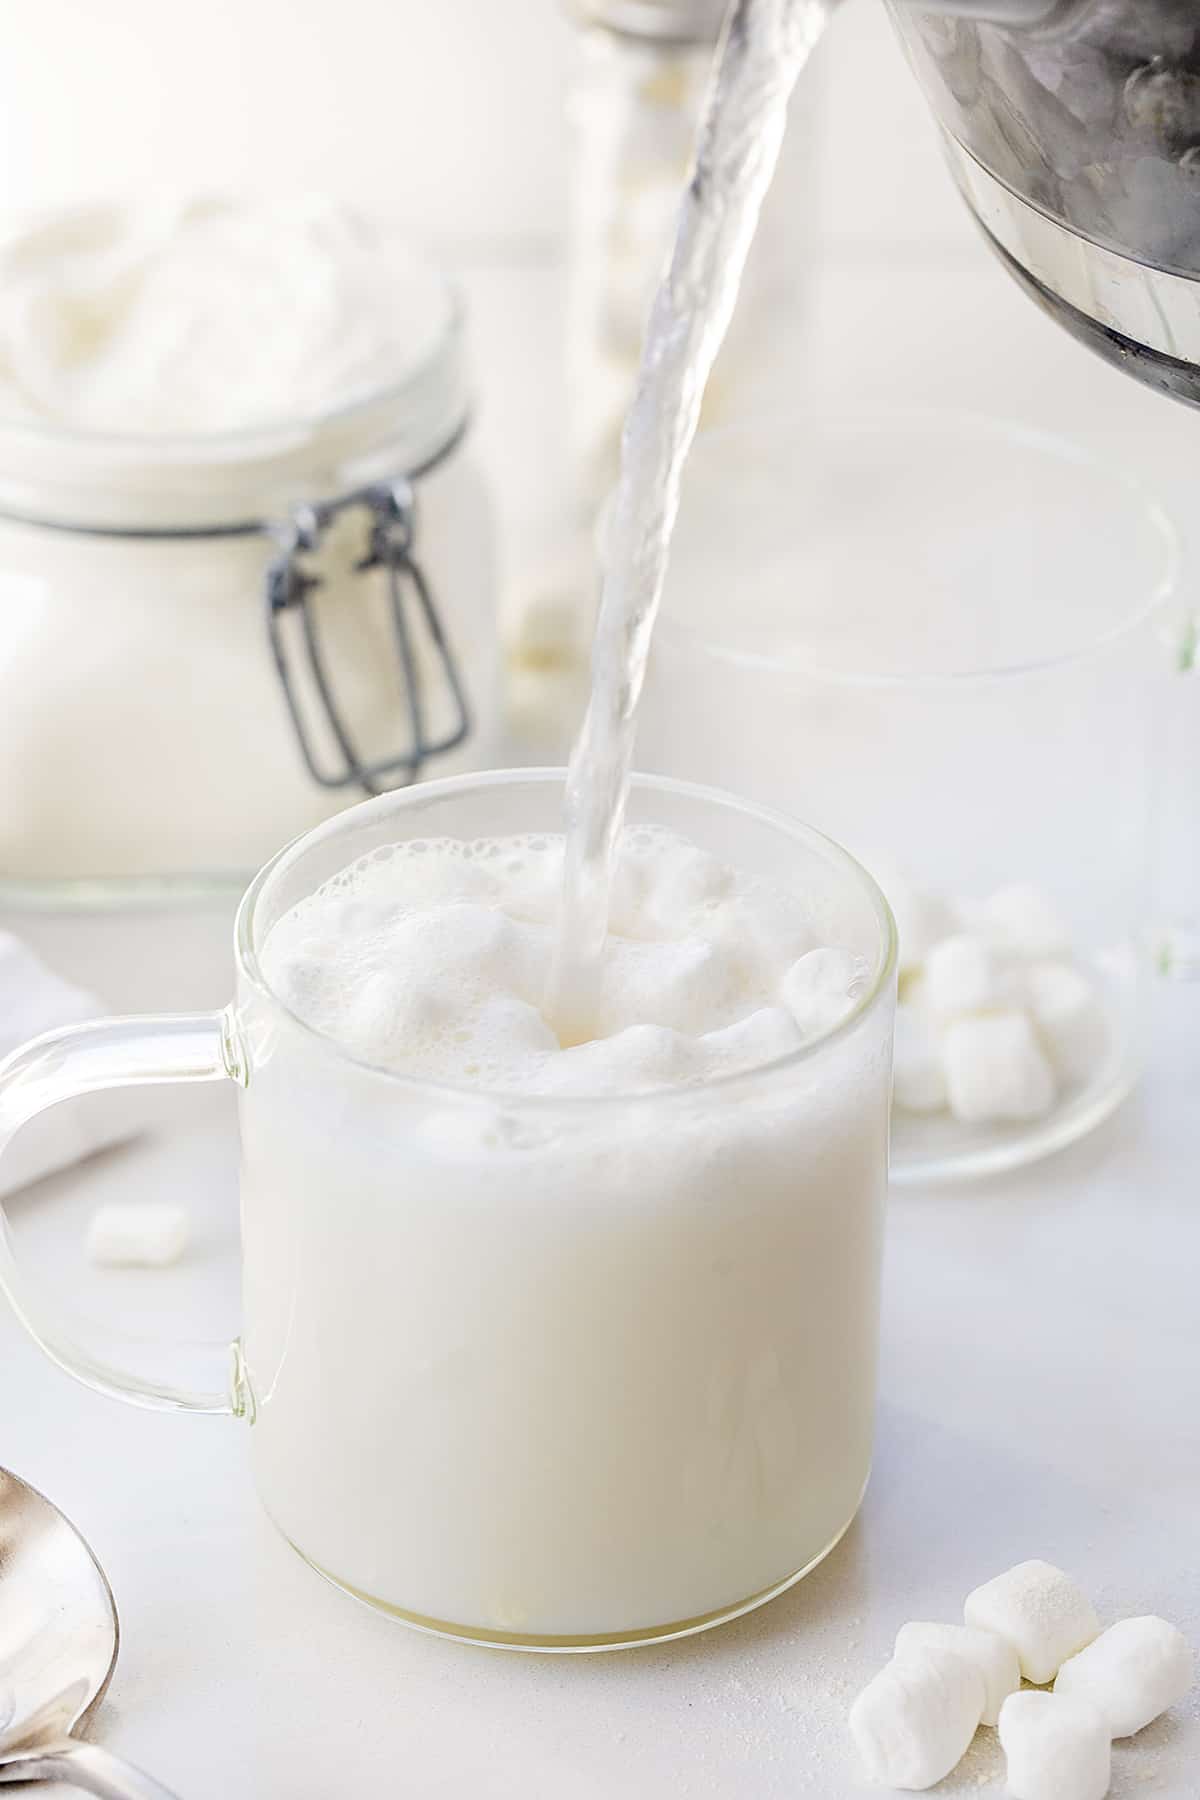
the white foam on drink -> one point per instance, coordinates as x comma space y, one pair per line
431, 959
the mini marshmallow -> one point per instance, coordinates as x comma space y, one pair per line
1041, 1613
1069, 1018
996, 1069
138, 1234
458, 947
767, 931
504, 1039
967, 975
764, 1037
1023, 920
918, 1073
1130, 1674
1056, 1748
923, 919
993, 1656
685, 884
385, 1009
821, 988
635, 1060
914, 1722
666, 983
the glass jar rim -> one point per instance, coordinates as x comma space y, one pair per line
250, 967
937, 422
244, 438
81, 480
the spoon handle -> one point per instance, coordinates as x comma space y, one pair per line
90, 1769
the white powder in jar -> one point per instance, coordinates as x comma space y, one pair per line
206, 315
166, 374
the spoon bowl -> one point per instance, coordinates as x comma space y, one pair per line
58, 1615
59, 1637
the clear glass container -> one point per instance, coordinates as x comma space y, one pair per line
192, 616
952, 643
1074, 135
548, 1373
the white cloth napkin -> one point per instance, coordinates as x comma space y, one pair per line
34, 999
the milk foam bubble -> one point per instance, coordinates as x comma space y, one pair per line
431, 958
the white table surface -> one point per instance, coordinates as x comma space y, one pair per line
1041, 1352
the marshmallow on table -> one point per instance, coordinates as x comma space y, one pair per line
918, 1072
32, 1000
1130, 1673
914, 1722
993, 1656
137, 1234
1055, 1748
1068, 1016
996, 1069
1040, 1612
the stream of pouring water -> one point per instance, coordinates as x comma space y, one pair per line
765, 45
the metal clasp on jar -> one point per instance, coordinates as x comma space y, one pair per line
292, 582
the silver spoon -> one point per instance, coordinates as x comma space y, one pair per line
58, 1648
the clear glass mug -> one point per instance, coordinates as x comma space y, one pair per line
954, 644
541, 1373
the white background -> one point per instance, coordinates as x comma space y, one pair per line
1041, 1374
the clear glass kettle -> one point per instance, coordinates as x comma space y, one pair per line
1073, 130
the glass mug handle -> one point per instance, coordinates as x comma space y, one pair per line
87, 1059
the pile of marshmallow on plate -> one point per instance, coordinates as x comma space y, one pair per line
996, 1018
916, 1720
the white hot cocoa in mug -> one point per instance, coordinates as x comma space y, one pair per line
549, 1344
